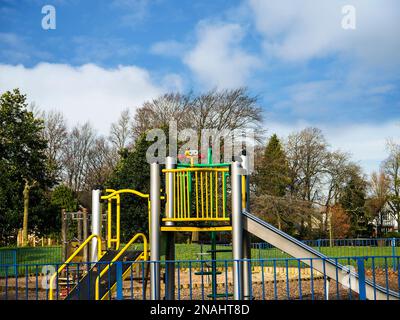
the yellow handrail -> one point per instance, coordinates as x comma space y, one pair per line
73, 256
119, 255
115, 192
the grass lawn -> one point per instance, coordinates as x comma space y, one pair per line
196, 252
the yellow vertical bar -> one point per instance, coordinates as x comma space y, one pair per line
202, 197
109, 221
173, 179
211, 195
118, 221
184, 194
243, 191
167, 191
197, 194
178, 199
179, 194
149, 213
216, 194
206, 194
223, 193
188, 195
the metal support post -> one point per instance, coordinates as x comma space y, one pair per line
246, 236
169, 211
155, 231
237, 230
96, 223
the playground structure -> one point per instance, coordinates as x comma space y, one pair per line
68, 246
198, 198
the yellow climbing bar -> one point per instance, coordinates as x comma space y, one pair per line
143, 256
115, 195
115, 192
99, 251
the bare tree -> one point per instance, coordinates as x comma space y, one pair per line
218, 110
391, 167
338, 170
158, 112
55, 133
227, 109
102, 159
120, 132
76, 155
307, 154
379, 194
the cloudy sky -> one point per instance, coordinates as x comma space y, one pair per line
105, 56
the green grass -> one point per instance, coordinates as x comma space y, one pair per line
52, 255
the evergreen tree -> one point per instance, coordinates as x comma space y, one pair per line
353, 201
22, 162
273, 173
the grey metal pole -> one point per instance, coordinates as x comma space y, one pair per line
85, 233
169, 212
96, 223
237, 230
64, 231
246, 235
79, 226
155, 231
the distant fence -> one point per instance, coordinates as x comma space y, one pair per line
330, 248
271, 279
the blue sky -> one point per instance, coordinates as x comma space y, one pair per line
295, 55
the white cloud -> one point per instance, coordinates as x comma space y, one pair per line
365, 142
217, 60
83, 93
305, 29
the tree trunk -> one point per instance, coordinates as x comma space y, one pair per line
26, 211
195, 236
278, 218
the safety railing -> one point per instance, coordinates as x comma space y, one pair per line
271, 279
115, 195
65, 264
197, 194
143, 256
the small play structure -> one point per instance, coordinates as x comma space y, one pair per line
187, 197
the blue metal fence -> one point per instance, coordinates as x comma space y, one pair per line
330, 248
271, 279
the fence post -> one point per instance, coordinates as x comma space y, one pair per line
361, 279
319, 245
394, 253
120, 295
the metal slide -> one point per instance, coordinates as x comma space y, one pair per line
322, 263
85, 288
